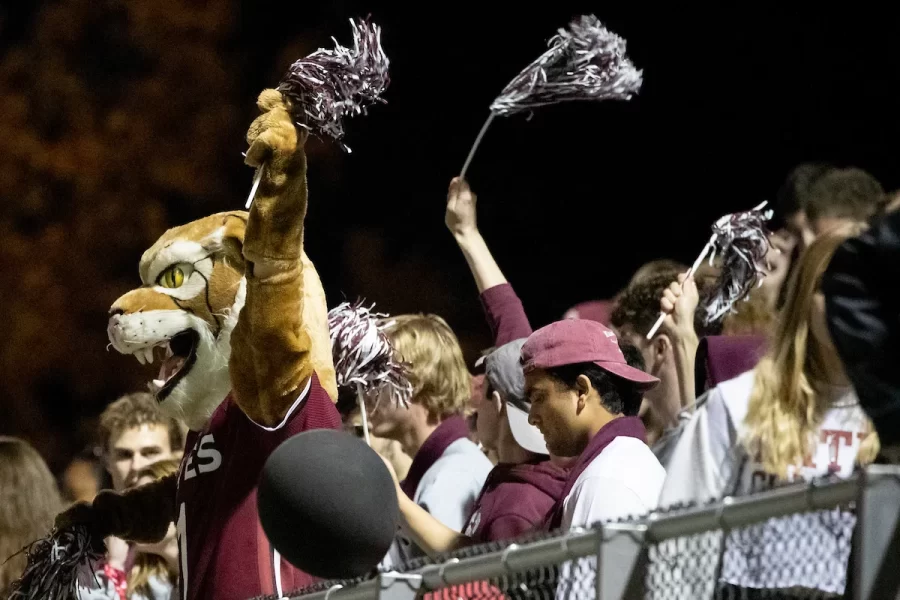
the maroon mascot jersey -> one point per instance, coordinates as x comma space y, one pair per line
224, 553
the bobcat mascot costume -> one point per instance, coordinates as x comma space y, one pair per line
236, 314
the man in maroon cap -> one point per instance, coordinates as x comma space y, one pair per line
584, 399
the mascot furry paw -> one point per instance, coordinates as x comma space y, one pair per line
235, 314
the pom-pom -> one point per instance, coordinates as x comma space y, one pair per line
329, 85
742, 241
584, 62
363, 355
55, 564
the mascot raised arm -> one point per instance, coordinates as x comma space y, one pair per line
235, 313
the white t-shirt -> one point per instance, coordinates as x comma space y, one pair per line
709, 450
448, 491
807, 551
623, 481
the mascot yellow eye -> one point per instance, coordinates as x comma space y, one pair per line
172, 277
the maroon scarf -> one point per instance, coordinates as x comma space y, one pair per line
621, 427
450, 430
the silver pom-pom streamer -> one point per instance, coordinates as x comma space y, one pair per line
584, 62
742, 240
329, 85
364, 357
55, 564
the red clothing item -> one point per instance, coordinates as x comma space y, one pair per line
224, 552
515, 499
505, 314
118, 579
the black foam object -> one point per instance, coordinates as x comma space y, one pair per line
328, 504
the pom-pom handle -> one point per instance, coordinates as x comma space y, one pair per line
710, 245
363, 412
484, 128
257, 177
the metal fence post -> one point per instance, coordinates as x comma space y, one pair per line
398, 586
877, 540
621, 561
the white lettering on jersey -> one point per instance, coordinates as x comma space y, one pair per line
208, 458
207, 452
834, 453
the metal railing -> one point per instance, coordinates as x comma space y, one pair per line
621, 548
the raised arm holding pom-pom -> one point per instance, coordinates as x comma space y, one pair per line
462, 223
679, 303
503, 309
270, 360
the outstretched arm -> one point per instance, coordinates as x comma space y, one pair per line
141, 514
426, 531
270, 359
502, 307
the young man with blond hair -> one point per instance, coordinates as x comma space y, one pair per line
134, 434
448, 470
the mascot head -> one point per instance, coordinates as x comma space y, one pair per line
182, 316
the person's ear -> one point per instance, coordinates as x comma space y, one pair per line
107, 461
583, 388
496, 401
661, 346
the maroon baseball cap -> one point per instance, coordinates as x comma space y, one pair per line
575, 341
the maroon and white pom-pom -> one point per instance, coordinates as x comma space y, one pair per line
363, 355
742, 240
329, 85
584, 62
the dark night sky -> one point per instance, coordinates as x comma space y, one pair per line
584, 193
571, 201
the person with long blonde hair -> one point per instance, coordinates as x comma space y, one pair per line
795, 416
155, 572
29, 501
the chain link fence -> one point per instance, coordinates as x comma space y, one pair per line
794, 542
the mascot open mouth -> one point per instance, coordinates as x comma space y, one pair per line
178, 356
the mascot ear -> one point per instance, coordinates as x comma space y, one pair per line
234, 224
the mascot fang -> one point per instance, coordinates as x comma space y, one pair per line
234, 313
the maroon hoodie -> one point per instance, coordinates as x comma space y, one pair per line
515, 499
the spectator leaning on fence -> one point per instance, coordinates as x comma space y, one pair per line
585, 399
520, 490
448, 470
